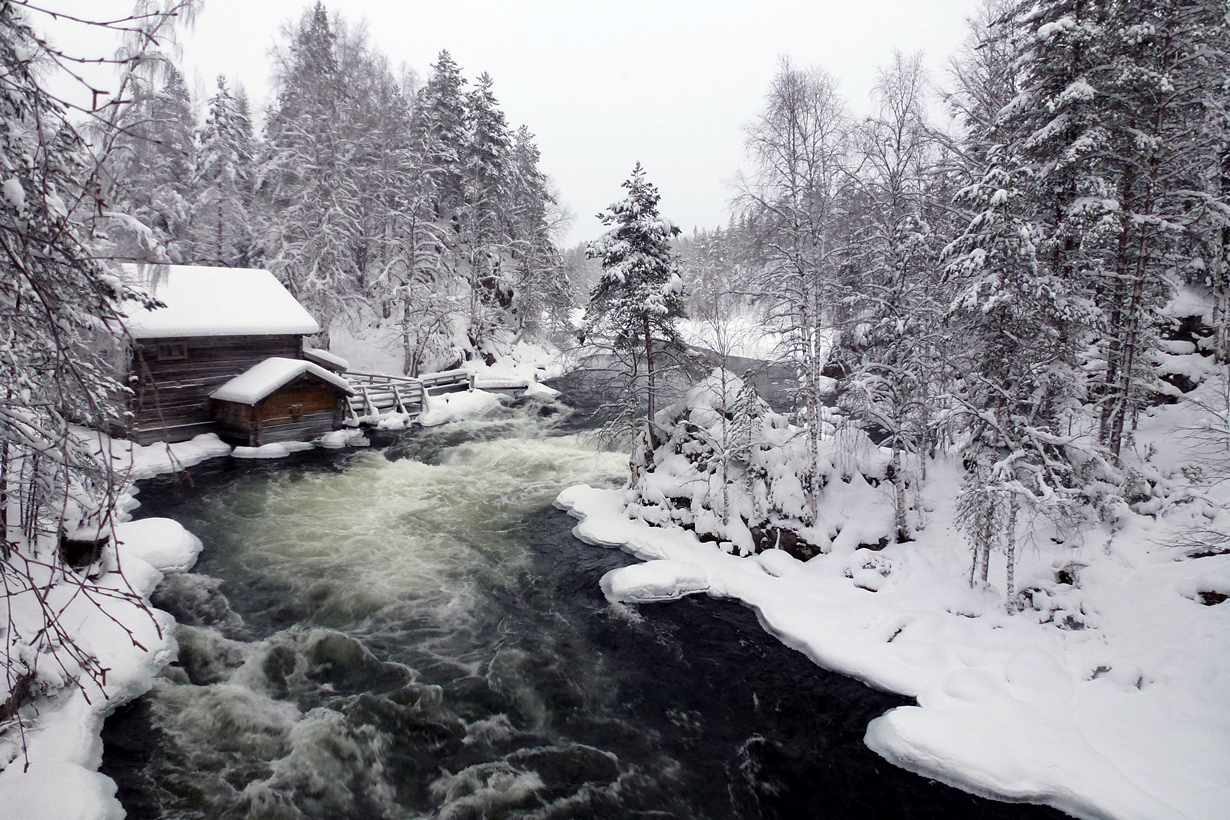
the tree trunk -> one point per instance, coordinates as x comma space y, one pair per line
903, 531
650, 392
1010, 549
408, 363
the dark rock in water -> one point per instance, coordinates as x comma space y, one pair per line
205, 656
772, 537
345, 664
79, 553
196, 600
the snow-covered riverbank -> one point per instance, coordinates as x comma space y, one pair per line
1105, 698
56, 776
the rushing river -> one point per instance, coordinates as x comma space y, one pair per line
411, 631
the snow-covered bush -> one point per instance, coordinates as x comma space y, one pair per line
740, 475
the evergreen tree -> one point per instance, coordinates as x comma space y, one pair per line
223, 178
308, 178
439, 135
150, 163
1020, 327
639, 299
541, 289
487, 179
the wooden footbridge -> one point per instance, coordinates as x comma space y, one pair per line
377, 396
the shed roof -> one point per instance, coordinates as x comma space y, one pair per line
202, 301
263, 380
325, 359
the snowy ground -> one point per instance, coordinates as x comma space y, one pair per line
1107, 699
57, 775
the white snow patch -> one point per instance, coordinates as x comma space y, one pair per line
540, 391
160, 542
342, 438
14, 194
277, 449
653, 581
64, 746
464, 406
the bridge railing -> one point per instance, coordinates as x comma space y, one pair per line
378, 395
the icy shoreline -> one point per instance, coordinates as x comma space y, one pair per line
64, 747
1119, 720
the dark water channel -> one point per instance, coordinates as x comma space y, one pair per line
412, 631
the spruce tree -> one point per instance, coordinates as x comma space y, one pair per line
308, 178
638, 301
438, 136
222, 233
150, 164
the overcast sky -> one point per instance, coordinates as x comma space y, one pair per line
604, 84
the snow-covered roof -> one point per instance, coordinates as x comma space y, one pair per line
204, 301
261, 380
326, 359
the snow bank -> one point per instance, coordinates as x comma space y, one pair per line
654, 581
457, 407
522, 363
1104, 698
64, 746
277, 449
342, 438
138, 462
540, 391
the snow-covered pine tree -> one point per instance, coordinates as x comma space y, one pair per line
223, 178
542, 293
438, 137
487, 181
151, 157
1021, 326
638, 302
1108, 91
308, 180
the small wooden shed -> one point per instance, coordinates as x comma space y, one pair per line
213, 324
280, 399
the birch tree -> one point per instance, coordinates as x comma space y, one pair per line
799, 149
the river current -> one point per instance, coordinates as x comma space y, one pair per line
410, 630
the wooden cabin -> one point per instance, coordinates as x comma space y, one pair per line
280, 400
215, 324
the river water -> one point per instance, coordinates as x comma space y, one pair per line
411, 631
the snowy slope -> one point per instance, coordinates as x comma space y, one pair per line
1106, 697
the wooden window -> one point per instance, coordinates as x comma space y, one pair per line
172, 351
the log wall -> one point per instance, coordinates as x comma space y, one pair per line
172, 379
304, 409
